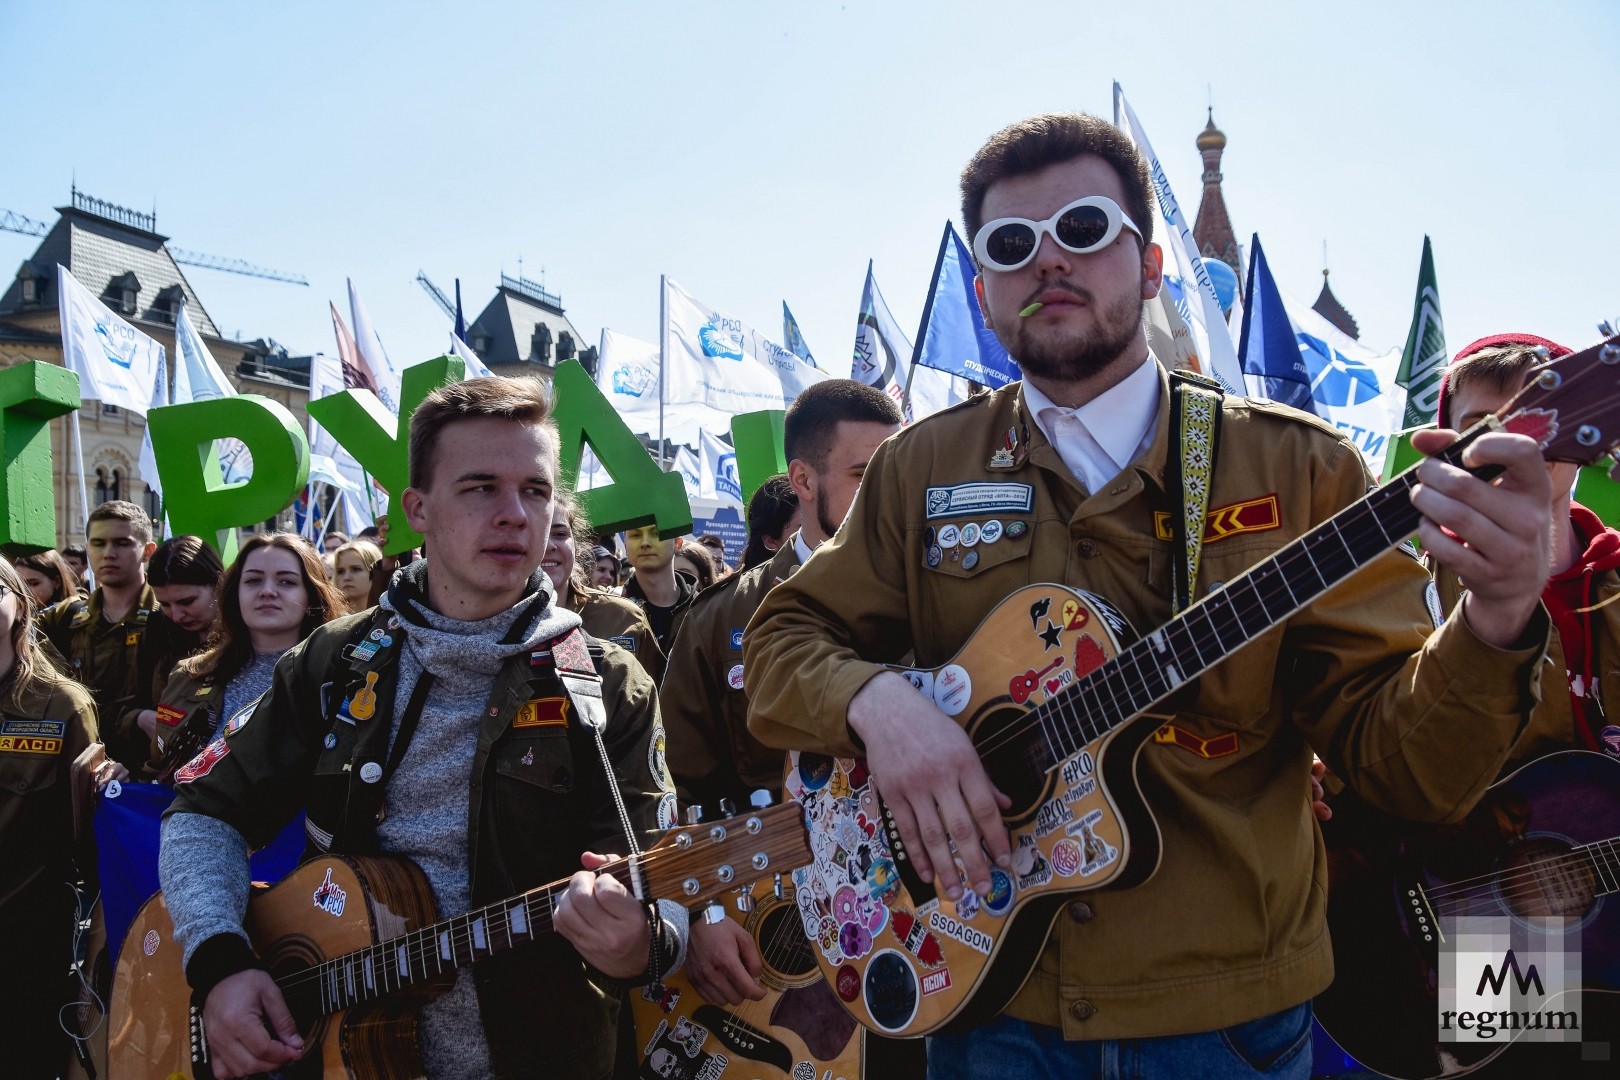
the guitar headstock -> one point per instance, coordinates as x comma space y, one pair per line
694, 864
1571, 406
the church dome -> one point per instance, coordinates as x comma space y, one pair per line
1211, 138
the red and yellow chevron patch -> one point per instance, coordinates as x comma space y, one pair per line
1253, 515
1219, 746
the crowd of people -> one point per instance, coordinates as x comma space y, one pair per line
521, 707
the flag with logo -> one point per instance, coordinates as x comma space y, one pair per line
793, 339
476, 368
718, 480
882, 353
1187, 319
356, 375
953, 337
198, 377
1352, 384
690, 468
1271, 354
116, 363
1424, 358
720, 366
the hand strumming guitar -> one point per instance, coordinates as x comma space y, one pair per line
931, 779
250, 1029
606, 924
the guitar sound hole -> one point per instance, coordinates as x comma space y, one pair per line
783, 946
1539, 878
1015, 756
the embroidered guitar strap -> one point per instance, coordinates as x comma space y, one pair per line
1195, 413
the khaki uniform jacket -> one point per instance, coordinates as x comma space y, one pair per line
187, 697
711, 752
537, 798
613, 618
1232, 926
1552, 723
105, 658
40, 735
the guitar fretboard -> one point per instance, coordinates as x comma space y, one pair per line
1604, 856
1152, 668
422, 955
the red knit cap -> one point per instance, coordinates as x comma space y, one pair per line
1554, 351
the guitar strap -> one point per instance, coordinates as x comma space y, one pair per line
572, 661
1195, 420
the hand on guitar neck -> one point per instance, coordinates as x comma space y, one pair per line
933, 782
1493, 534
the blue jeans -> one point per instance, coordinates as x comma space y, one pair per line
1277, 1047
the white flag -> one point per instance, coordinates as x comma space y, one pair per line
932, 390
1191, 315
197, 376
882, 351
718, 480
116, 363
371, 350
326, 379
475, 366
147, 463
686, 463
723, 365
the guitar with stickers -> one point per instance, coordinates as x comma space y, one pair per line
905, 960
356, 946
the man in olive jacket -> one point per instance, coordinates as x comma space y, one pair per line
445, 727
1206, 969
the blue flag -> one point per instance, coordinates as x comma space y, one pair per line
953, 336
1268, 347
461, 321
793, 339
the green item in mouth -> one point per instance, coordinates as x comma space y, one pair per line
1032, 309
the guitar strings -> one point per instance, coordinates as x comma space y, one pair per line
1463, 890
775, 954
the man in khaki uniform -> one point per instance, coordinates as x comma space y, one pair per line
1208, 968
101, 636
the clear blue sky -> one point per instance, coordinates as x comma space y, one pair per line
762, 151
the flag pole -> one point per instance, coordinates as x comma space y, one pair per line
78, 458
663, 339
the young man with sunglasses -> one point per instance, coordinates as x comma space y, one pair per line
1208, 968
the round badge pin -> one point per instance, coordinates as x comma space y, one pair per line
970, 560
948, 536
970, 534
928, 537
991, 532
934, 557
330, 741
1015, 529
734, 677
371, 772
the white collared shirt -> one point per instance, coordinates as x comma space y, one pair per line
1103, 436
803, 549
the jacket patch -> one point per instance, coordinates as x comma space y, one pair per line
169, 716
979, 498
203, 764
542, 712
625, 642
33, 727
30, 744
1219, 746
1253, 515
736, 638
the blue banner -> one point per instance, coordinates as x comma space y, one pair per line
953, 336
793, 339
1268, 348
127, 823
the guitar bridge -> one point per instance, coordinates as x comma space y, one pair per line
922, 893
742, 1039
1420, 913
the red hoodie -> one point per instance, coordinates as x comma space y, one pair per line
1567, 592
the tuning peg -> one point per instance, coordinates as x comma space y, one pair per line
760, 799
745, 902
694, 814
728, 808
1609, 354
714, 913
776, 887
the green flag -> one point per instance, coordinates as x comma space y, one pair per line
1424, 357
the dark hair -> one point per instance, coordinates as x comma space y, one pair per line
76, 551
716, 546
579, 531
702, 561
521, 400
1031, 145
119, 510
769, 511
184, 560
50, 564
370, 532
812, 420
230, 645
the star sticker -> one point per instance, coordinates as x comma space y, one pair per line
1052, 635
1038, 610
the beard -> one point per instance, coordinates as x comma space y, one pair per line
1076, 356
829, 527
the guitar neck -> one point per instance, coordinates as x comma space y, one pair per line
1154, 667
423, 955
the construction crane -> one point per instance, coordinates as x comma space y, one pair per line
11, 221
437, 294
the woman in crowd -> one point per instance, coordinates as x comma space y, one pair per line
48, 721
605, 616
352, 566
273, 595
773, 518
48, 578
716, 548
695, 562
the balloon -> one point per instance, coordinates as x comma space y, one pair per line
1225, 280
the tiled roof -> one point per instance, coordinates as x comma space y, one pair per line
510, 321
97, 251
1327, 305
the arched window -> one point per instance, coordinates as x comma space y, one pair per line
109, 484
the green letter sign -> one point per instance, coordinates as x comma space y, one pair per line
30, 395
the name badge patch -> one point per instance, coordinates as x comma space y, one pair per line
170, 716
959, 500
542, 712
34, 727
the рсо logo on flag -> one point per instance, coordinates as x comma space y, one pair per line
119, 342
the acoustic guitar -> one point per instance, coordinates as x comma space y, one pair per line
356, 947
1062, 741
1544, 841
